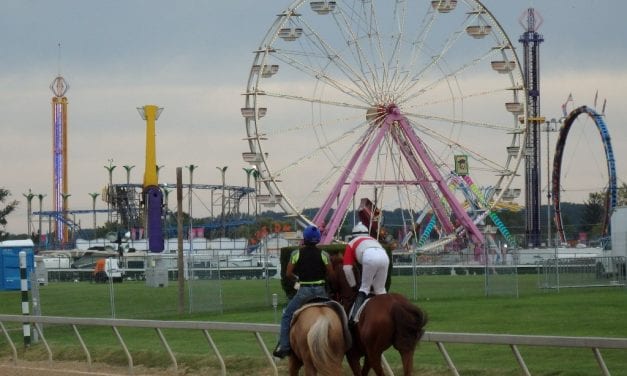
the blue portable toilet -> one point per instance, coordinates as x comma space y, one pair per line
10, 262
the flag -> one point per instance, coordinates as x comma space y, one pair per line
569, 99
596, 96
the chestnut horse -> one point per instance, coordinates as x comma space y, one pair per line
386, 320
318, 340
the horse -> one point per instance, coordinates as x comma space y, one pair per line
319, 338
386, 320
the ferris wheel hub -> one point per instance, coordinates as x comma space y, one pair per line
377, 113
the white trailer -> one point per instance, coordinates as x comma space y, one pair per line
615, 264
619, 231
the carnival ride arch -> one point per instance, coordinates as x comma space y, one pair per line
611, 193
372, 98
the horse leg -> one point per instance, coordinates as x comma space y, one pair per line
353, 362
294, 365
310, 370
366, 368
373, 360
407, 357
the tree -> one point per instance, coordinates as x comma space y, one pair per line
6, 210
622, 195
593, 214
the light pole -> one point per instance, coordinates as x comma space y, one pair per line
191, 169
110, 169
256, 175
159, 167
29, 210
248, 171
94, 195
551, 126
128, 174
223, 173
41, 198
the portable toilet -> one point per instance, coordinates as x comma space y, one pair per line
10, 262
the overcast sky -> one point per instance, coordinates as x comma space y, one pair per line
194, 58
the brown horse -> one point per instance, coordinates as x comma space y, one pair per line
386, 320
318, 340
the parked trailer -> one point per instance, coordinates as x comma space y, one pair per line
618, 226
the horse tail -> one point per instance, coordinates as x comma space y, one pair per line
323, 356
410, 322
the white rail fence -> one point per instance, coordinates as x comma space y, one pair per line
596, 344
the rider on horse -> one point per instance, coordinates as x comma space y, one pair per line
374, 260
309, 267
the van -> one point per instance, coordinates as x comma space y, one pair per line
108, 269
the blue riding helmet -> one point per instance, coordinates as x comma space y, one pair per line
311, 235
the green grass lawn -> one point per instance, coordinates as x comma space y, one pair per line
453, 303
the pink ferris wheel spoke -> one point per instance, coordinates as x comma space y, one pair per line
425, 185
416, 156
338, 215
337, 188
456, 207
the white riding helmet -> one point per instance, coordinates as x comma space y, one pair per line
360, 229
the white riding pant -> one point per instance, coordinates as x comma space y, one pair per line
375, 263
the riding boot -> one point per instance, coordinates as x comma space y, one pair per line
359, 300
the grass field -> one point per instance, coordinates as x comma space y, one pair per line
453, 303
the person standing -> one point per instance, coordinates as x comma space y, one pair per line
368, 252
309, 267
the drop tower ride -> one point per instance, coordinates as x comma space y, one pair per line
531, 20
59, 87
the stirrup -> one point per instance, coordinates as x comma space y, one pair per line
281, 353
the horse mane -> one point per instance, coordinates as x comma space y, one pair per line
410, 321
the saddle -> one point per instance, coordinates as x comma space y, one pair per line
356, 317
339, 310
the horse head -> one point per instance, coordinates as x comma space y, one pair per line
340, 289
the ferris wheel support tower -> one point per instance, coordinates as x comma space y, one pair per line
531, 21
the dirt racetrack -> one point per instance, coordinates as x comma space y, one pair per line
59, 368
33, 368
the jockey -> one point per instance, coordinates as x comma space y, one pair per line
309, 267
368, 252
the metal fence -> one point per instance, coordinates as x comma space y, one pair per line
596, 344
559, 273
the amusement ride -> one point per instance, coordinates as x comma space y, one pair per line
419, 107
416, 106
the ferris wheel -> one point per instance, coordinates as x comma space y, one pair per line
373, 101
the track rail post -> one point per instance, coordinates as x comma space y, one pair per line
216, 351
8, 337
85, 349
128, 354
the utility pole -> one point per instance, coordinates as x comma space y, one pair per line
41, 198
29, 211
223, 173
94, 195
110, 169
